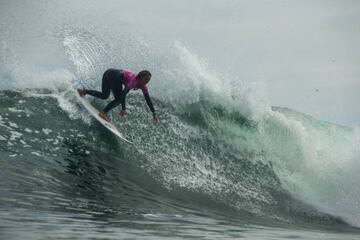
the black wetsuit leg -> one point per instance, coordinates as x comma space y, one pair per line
105, 86
116, 82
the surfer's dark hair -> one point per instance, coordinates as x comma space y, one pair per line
143, 73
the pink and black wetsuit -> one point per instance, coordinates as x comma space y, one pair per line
114, 79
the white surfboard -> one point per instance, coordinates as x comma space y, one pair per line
95, 113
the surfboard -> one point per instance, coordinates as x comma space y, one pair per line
95, 113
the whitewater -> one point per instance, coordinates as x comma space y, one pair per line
222, 164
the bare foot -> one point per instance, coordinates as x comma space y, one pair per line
122, 113
81, 92
104, 116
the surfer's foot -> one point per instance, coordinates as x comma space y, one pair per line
81, 92
104, 116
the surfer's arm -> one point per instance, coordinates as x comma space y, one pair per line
149, 102
148, 99
151, 106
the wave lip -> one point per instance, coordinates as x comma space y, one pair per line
318, 161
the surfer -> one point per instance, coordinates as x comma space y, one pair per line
120, 82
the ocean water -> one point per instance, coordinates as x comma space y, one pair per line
222, 164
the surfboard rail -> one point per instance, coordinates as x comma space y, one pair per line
95, 113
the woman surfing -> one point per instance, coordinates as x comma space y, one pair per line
120, 82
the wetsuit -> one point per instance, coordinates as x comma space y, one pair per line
114, 79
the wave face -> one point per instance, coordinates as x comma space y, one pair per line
220, 152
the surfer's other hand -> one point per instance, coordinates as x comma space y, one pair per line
156, 118
122, 113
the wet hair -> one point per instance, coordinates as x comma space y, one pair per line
143, 73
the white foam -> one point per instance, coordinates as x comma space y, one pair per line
189, 79
46, 131
14, 135
36, 154
27, 77
15, 110
13, 125
28, 130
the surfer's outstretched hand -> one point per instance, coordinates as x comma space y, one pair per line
122, 113
156, 119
